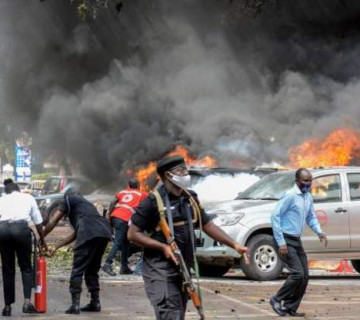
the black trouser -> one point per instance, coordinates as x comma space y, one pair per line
168, 299
121, 242
293, 290
15, 238
87, 260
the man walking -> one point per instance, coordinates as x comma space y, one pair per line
121, 211
163, 283
294, 209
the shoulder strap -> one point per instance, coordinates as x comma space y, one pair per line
161, 208
159, 202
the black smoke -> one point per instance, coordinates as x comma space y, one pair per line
219, 77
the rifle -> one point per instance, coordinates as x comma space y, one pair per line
187, 281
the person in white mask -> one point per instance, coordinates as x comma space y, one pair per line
163, 283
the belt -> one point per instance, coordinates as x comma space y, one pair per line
289, 236
176, 224
14, 221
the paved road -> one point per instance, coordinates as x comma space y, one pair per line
232, 297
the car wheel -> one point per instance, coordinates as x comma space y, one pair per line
265, 264
356, 265
208, 270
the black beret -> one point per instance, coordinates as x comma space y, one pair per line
169, 163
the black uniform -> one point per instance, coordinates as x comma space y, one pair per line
93, 233
162, 279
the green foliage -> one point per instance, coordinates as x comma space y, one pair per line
41, 176
62, 260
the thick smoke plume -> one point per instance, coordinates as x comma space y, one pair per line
120, 90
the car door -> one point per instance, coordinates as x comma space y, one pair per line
328, 192
353, 183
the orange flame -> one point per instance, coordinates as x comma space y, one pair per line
144, 174
337, 149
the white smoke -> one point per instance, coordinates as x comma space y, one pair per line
216, 187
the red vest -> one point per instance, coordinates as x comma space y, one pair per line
128, 201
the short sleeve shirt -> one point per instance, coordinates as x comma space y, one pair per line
147, 217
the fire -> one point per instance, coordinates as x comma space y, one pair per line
339, 148
144, 174
206, 161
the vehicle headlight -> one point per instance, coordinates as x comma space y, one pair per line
228, 219
48, 200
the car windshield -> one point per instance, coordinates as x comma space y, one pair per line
271, 187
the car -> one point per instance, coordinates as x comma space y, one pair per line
336, 194
56, 184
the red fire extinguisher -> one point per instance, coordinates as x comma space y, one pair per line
41, 285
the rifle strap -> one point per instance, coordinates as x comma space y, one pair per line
192, 234
169, 215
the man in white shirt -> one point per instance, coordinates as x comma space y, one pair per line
17, 210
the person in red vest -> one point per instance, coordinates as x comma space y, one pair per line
121, 210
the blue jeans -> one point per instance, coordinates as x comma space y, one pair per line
121, 242
139, 266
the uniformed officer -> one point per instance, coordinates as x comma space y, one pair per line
92, 233
163, 283
16, 211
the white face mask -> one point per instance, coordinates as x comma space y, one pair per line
181, 181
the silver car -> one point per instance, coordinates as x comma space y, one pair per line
336, 193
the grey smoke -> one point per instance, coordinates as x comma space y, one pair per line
121, 90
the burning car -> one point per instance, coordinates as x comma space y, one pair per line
336, 194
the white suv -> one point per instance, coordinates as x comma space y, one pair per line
336, 193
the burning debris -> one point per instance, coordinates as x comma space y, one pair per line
339, 148
147, 176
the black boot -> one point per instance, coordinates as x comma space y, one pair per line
94, 305
6, 311
75, 306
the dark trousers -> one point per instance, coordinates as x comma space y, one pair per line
121, 242
15, 239
168, 299
87, 261
293, 290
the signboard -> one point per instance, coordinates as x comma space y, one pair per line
22, 164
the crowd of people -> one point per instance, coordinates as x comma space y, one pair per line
135, 217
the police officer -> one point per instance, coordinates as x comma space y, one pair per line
294, 209
163, 283
92, 233
16, 211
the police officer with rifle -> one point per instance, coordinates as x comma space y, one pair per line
169, 216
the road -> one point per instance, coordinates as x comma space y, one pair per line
230, 297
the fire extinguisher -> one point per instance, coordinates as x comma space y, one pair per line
40, 279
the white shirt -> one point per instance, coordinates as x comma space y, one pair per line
19, 206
